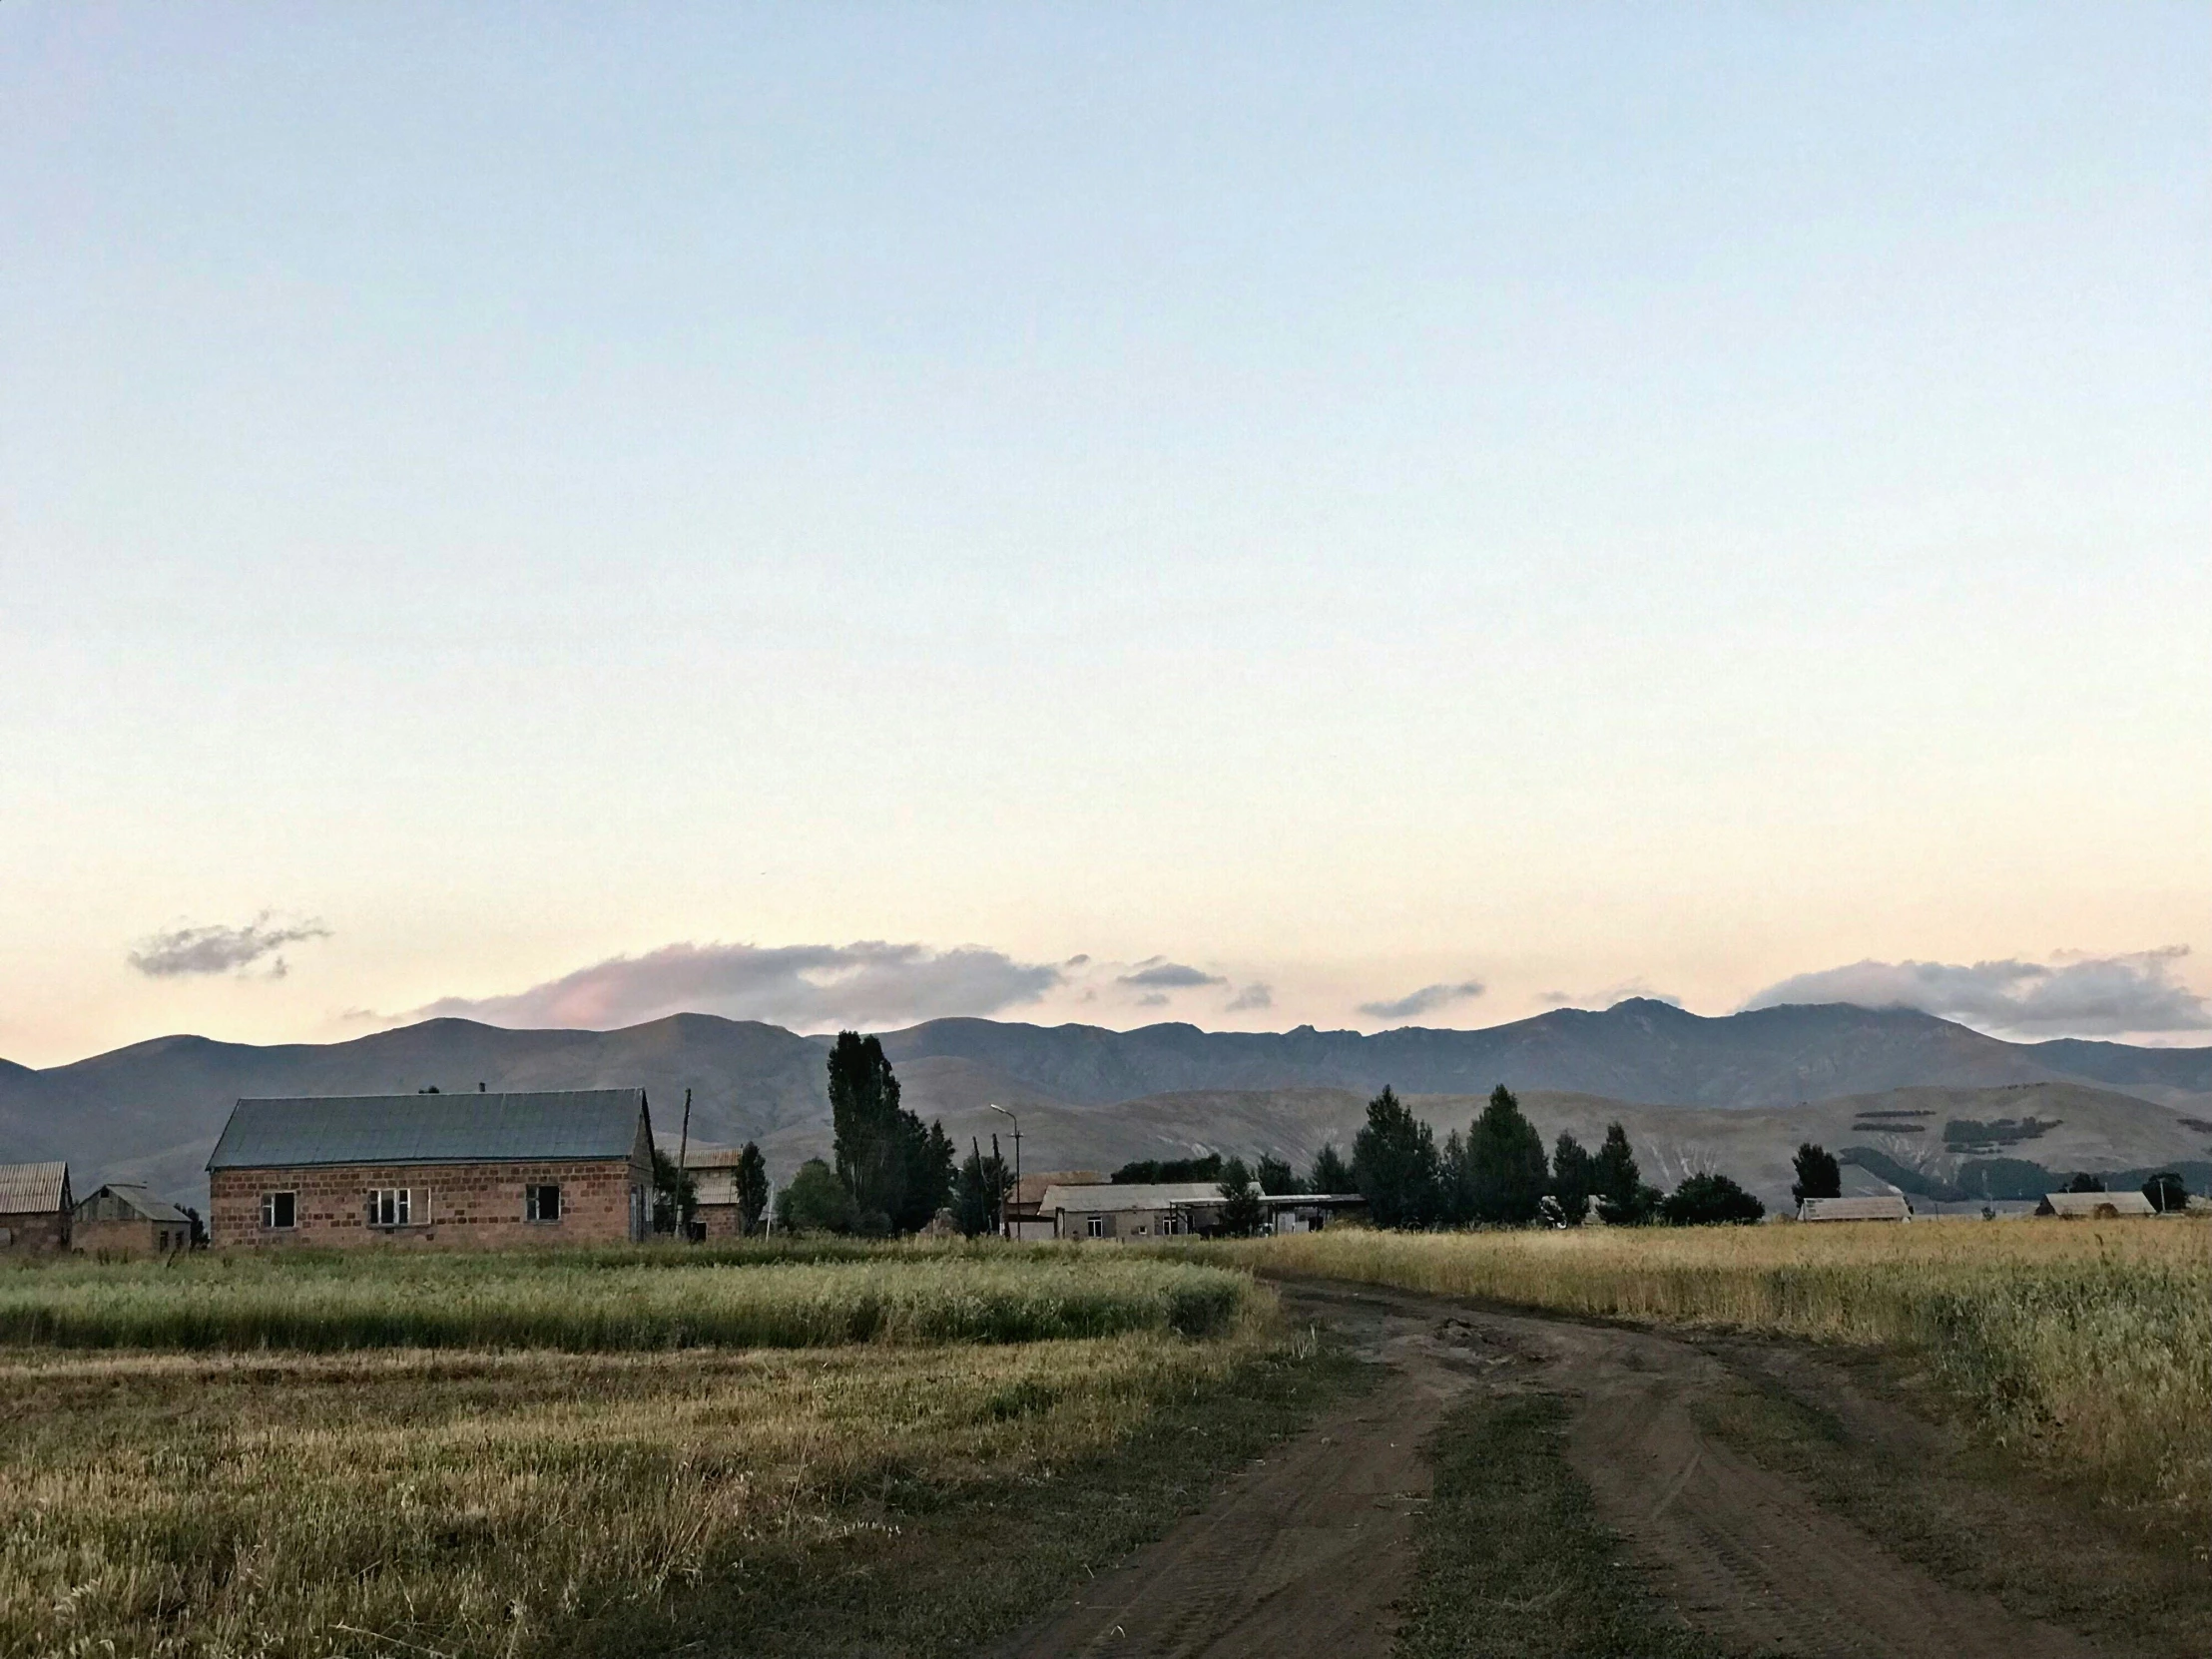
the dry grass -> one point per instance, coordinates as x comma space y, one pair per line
595, 1302
402, 1502
2088, 1346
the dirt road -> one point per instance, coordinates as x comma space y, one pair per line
1309, 1553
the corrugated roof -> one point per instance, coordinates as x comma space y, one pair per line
140, 1199
1099, 1198
2088, 1204
30, 1189
548, 1125
1890, 1208
1031, 1188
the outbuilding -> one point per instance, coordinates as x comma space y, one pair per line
1880, 1206
34, 1209
124, 1218
551, 1166
2095, 1206
716, 1210
1311, 1212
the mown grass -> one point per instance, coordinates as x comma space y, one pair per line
1513, 1561
2086, 1347
605, 1301
519, 1501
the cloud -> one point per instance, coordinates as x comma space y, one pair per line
2072, 996
1425, 1001
1619, 992
1252, 996
803, 986
1156, 1000
1155, 974
218, 949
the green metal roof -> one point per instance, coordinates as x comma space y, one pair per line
554, 1125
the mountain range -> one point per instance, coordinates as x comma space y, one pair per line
1695, 1091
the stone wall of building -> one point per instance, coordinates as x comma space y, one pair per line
35, 1233
470, 1205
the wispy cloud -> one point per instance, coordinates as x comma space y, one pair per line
1158, 974
1426, 1001
1619, 991
218, 949
803, 986
1250, 997
2072, 996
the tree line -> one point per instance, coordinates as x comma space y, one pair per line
1497, 1174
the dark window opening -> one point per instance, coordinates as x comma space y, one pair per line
542, 1203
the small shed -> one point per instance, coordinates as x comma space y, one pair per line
2095, 1206
1883, 1207
125, 1218
34, 1208
715, 1212
1311, 1212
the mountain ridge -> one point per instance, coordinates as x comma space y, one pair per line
151, 1109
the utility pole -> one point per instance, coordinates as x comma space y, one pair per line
683, 1158
1016, 1122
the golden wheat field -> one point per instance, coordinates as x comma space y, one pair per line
2086, 1344
531, 1499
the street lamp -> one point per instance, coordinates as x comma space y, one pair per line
1016, 1122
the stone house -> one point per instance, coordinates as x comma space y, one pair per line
477, 1170
124, 1218
34, 1209
714, 1171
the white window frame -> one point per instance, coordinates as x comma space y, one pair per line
391, 1207
269, 1223
1094, 1227
533, 1209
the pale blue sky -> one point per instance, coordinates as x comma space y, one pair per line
1351, 499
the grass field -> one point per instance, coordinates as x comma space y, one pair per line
524, 1497
609, 1302
2087, 1346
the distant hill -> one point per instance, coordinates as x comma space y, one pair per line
1087, 1096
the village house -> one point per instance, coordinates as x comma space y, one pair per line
716, 1213
124, 1218
1026, 1218
1150, 1210
565, 1167
34, 1209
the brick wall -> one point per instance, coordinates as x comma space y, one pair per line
721, 1220
454, 1204
36, 1233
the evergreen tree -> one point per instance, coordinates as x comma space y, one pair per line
1816, 1173
1504, 1164
1454, 1183
1274, 1175
751, 1185
1240, 1212
1623, 1198
1146, 1172
2086, 1183
1572, 1174
1394, 1164
1329, 1174
1710, 1201
2165, 1191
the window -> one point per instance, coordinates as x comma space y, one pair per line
281, 1210
390, 1207
541, 1203
1096, 1226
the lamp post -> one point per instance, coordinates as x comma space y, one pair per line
1016, 1122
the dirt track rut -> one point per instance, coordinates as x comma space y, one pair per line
1308, 1552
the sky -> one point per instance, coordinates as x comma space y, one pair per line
1352, 515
